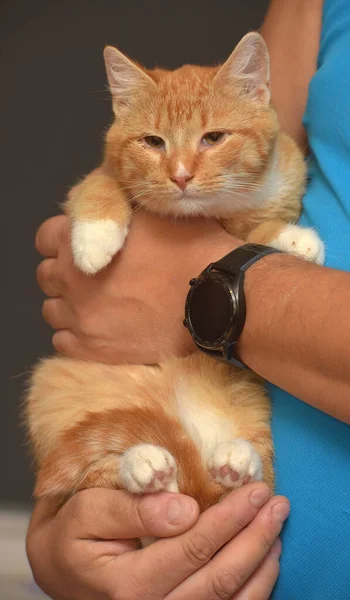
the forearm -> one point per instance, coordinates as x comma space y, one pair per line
297, 328
292, 30
297, 331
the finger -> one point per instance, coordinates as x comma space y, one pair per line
67, 343
110, 514
47, 279
45, 508
184, 555
57, 314
233, 565
260, 585
50, 234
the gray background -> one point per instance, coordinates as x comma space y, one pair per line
53, 110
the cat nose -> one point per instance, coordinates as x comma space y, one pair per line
182, 181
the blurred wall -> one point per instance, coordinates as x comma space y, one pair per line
53, 110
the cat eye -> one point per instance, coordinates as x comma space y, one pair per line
155, 142
212, 138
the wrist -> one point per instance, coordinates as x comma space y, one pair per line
210, 252
215, 310
270, 286
213, 250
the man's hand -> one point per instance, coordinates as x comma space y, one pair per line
86, 551
132, 311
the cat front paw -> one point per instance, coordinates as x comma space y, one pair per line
235, 463
94, 243
301, 241
146, 468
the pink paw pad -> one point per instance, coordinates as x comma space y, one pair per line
223, 472
165, 476
235, 463
146, 468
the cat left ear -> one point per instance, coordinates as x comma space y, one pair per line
249, 66
125, 77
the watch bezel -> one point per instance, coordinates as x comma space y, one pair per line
228, 336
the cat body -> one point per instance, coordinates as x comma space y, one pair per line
195, 141
86, 418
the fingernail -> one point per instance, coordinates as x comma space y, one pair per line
280, 511
259, 496
276, 549
179, 510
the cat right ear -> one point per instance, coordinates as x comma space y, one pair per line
125, 77
249, 66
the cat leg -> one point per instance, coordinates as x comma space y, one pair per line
118, 449
147, 468
235, 463
100, 217
287, 237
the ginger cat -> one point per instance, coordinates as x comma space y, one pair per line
195, 141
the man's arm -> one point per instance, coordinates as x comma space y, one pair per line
298, 329
292, 31
85, 551
298, 322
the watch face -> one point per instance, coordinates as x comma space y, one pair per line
210, 310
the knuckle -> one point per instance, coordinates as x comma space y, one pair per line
240, 523
85, 322
81, 507
58, 342
198, 549
227, 581
266, 540
86, 319
65, 230
45, 310
49, 312
144, 515
31, 547
40, 272
63, 343
37, 241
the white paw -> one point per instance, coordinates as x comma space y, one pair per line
301, 241
235, 463
94, 243
148, 468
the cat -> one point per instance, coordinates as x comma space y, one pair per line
194, 141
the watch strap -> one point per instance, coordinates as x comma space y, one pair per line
235, 264
242, 258
231, 358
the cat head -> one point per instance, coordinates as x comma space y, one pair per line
197, 140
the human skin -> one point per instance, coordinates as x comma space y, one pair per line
289, 337
49, 558
86, 550
133, 311
292, 30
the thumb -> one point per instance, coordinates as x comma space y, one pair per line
115, 514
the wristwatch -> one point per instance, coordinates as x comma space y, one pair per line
215, 310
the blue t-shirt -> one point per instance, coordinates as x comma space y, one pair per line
313, 449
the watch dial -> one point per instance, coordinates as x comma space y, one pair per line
210, 310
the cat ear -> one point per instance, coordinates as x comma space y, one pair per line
125, 78
249, 64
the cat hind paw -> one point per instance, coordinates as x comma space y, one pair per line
235, 463
146, 468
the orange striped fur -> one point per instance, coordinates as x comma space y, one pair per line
84, 420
